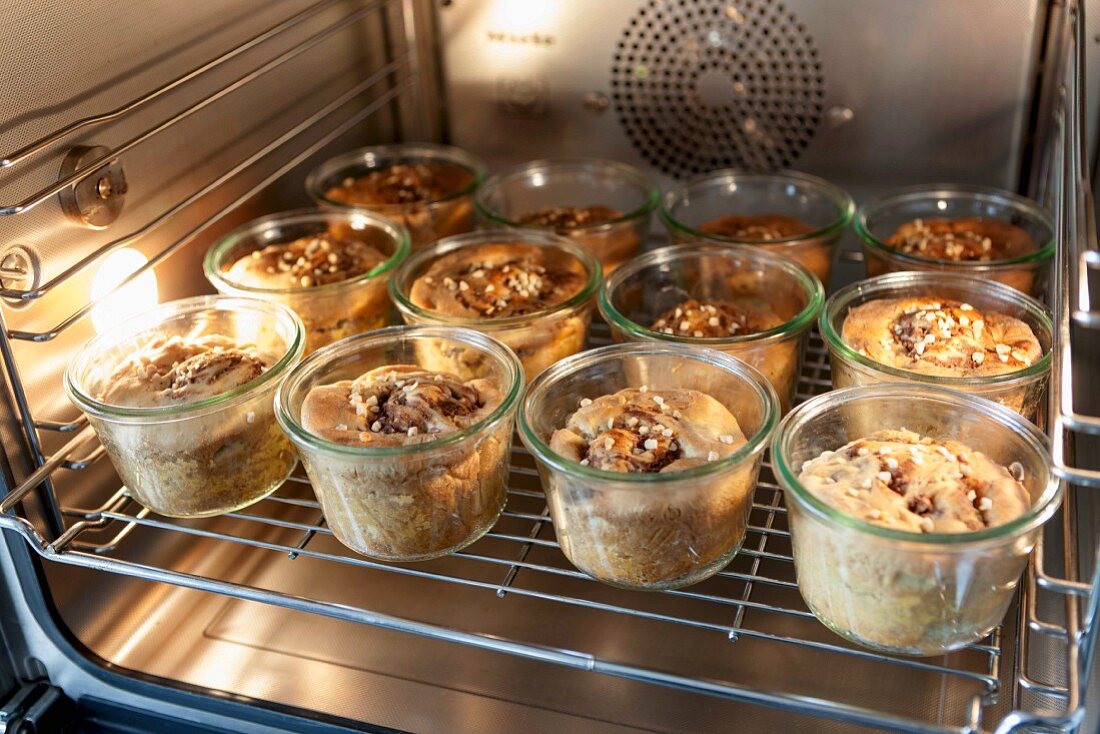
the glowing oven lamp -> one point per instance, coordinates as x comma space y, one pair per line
136, 296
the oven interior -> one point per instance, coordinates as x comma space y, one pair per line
264, 605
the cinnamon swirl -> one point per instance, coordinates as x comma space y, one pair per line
414, 194
932, 336
610, 244
651, 538
418, 507
188, 468
913, 600
492, 282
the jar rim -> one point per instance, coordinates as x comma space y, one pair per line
909, 194
803, 415
212, 261
549, 165
147, 322
322, 358
840, 198
537, 237
754, 445
804, 319
845, 297
429, 151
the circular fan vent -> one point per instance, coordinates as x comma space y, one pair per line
706, 84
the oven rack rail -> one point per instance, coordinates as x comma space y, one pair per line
400, 74
98, 538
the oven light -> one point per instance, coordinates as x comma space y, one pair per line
118, 304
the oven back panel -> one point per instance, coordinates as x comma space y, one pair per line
868, 93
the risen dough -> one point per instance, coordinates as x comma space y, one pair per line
590, 227
495, 281
922, 599
202, 465
413, 506
654, 535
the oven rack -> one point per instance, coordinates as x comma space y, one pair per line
519, 557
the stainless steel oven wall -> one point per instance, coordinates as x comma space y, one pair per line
63, 62
869, 93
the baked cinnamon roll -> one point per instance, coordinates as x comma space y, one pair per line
775, 228
940, 337
414, 194
759, 228
401, 183
611, 245
498, 282
419, 507
966, 239
306, 262
295, 272
190, 468
900, 480
657, 536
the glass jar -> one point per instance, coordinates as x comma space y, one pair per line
415, 501
331, 311
896, 591
442, 214
1022, 391
649, 530
877, 220
823, 210
207, 457
624, 196
658, 282
539, 339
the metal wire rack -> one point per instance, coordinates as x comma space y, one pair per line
755, 598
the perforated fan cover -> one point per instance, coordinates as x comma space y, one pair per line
705, 84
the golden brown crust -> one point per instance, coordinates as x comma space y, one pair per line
564, 218
643, 431
662, 535
179, 370
495, 281
901, 480
396, 405
305, 262
402, 183
760, 228
940, 337
737, 316
966, 239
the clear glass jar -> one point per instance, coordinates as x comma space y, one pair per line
417, 501
896, 591
427, 220
649, 530
825, 209
505, 200
539, 339
1022, 391
877, 220
207, 457
653, 284
332, 311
